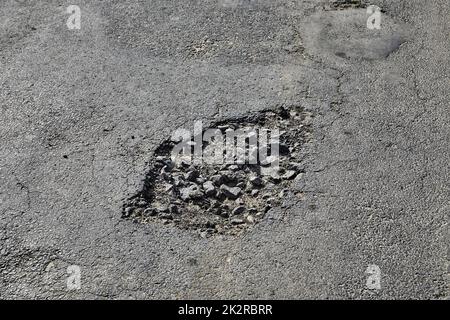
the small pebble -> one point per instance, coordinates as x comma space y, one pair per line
289, 174
230, 192
210, 189
217, 179
256, 181
191, 192
200, 180
162, 208
191, 175
142, 203
238, 210
237, 221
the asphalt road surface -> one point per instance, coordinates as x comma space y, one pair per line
83, 110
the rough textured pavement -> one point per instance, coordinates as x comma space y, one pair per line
83, 110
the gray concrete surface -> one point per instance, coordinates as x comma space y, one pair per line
83, 110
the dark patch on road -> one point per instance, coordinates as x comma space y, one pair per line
347, 4
337, 35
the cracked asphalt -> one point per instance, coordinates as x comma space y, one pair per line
82, 112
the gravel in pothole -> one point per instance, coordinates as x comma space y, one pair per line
347, 4
223, 198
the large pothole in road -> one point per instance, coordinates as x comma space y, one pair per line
211, 196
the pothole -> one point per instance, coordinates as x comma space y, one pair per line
225, 198
346, 4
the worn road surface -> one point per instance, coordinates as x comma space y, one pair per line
82, 111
